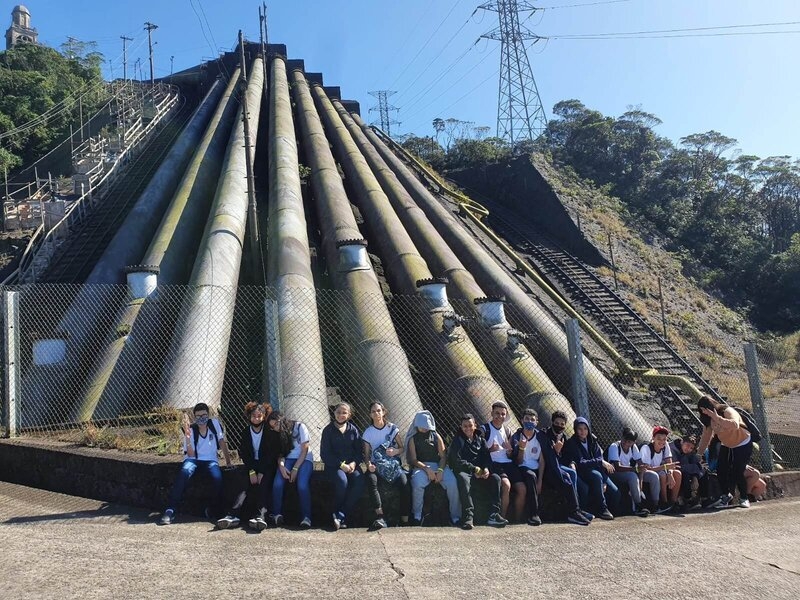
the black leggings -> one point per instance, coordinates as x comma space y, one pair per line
731, 467
401, 483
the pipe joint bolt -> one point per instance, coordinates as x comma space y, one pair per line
514, 339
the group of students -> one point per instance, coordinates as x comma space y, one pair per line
659, 477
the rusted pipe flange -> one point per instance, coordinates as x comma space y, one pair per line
352, 242
155, 269
432, 280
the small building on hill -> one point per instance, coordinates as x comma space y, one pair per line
21, 31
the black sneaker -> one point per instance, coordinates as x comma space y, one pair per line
535, 520
641, 511
587, 515
577, 518
496, 520
379, 523
228, 522
606, 515
168, 518
467, 524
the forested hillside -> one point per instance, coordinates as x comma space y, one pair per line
42, 92
732, 218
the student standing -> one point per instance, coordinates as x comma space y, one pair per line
341, 449
736, 448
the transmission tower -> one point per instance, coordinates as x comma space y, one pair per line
520, 115
383, 109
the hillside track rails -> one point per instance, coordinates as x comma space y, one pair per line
635, 339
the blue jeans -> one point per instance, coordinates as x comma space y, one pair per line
590, 491
347, 488
303, 488
188, 469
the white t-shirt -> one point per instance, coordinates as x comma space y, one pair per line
375, 437
531, 453
256, 438
207, 446
500, 436
658, 459
616, 453
300, 436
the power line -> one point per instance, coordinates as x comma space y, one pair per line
690, 35
580, 4
459, 81
425, 45
656, 31
432, 61
419, 96
406, 39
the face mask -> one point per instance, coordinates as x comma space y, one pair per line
201, 420
529, 426
558, 428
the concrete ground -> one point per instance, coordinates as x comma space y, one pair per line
53, 545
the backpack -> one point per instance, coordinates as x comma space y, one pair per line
387, 467
749, 423
196, 431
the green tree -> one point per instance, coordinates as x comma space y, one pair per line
39, 92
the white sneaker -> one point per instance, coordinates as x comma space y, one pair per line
744, 503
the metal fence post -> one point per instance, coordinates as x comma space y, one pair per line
577, 374
273, 377
759, 410
12, 365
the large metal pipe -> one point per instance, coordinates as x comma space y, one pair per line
121, 364
476, 390
196, 364
379, 359
611, 410
505, 352
58, 362
289, 267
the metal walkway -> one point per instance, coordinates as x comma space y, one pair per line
77, 256
631, 335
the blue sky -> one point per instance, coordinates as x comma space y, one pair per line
745, 86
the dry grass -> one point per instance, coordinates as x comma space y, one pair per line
706, 333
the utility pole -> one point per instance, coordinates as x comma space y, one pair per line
125, 41
171, 66
520, 115
149, 27
383, 109
255, 238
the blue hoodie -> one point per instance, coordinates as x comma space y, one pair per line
585, 459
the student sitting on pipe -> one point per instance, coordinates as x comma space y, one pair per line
341, 449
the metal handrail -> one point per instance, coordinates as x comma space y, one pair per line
69, 218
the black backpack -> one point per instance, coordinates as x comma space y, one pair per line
196, 432
750, 423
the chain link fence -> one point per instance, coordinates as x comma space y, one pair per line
92, 366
